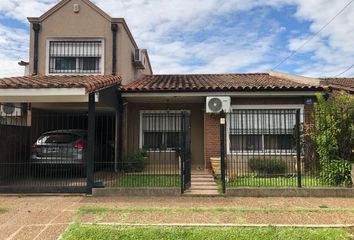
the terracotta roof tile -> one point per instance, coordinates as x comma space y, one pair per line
340, 83
213, 82
91, 83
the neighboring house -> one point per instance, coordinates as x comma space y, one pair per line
339, 84
82, 60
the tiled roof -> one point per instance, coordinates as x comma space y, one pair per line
91, 83
215, 82
340, 83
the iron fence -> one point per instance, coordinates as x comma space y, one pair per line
154, 153
277, 148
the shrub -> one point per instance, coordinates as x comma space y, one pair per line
333, 135
134, 162
336, 173
267, 166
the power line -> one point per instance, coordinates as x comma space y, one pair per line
346, 70
312, 37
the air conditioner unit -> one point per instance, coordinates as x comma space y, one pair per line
139, 59
217, 104
10, 110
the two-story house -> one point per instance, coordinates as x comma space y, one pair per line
83, 61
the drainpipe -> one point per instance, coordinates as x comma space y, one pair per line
114, 28
36, 28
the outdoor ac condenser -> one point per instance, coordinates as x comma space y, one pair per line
139, 59
217, 104
10, 110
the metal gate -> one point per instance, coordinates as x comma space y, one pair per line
46, 150
186, 152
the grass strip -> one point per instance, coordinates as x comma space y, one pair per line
86, 210
93, 232
3, 210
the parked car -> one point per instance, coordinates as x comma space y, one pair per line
59, 149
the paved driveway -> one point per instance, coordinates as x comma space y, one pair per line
47, 217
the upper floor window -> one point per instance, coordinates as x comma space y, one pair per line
75, 57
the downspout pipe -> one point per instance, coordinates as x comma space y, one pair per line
36, 28
114, 28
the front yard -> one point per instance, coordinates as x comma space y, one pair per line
131, 180
94, 232
254, 181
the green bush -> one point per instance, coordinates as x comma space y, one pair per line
334, 138
336, 173
267, 166
134, 162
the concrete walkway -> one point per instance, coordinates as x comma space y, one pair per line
47, 217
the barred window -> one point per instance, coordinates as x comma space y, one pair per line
75, 57
260, 130
160, 131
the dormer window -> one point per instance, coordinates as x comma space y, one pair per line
75, 57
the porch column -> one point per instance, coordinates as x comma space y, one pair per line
91, 143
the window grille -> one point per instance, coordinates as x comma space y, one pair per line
75, 57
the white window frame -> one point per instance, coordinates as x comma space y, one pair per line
141, 112
102, 63
261, 107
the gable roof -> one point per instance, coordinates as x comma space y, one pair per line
91, 83
62, 3
215, 82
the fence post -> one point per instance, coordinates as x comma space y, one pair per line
182, 150
298, 148
91, 143
222, 150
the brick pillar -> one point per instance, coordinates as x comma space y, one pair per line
211, 137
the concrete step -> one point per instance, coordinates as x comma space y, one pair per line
202, 193
211, 183
202, 181
202, 178
201, 187
202, 175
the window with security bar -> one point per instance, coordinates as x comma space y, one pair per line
75, 57
254, 130
160, 131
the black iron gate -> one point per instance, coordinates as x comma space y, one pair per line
185, 152
46, 150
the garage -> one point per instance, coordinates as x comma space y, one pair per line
58, 133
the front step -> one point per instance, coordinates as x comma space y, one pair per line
202, 185
202, 193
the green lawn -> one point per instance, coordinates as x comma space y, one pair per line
96, 232
99, 210
251, 181
2, 210
148, 181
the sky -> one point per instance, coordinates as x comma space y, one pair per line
212, 36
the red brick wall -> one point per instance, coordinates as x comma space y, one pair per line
211, 137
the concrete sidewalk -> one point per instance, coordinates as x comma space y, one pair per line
47, 217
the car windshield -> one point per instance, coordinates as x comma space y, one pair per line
58, 138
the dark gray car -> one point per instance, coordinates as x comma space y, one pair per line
60, 148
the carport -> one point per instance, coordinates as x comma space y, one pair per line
58, 105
